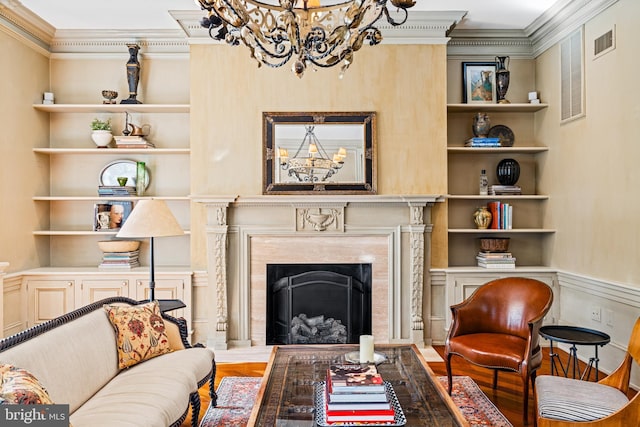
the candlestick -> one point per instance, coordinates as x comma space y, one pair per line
366, 349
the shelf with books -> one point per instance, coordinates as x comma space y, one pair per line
78, 171
528, 233
108, 151
495, 150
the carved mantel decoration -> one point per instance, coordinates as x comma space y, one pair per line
320, 219
245, 234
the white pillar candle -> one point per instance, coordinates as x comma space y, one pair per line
366, 348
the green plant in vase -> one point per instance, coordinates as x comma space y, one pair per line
101, 132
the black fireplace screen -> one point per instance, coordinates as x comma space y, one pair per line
318, 303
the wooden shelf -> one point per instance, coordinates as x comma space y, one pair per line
113, 108
112, 151
100, 198
519, 269
498, 197
493, 150
81, 233
513, 108
494, 231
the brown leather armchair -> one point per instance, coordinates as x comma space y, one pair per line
497, 328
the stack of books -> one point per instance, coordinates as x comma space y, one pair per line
496, 260
478, 141
123, 141
501, 215
497, 190
116, 190
356, 393
120, 259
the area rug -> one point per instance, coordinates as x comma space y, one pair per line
476, 407
237, 394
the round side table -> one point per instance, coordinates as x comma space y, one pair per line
574, 336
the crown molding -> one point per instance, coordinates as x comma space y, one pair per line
105, 42
24, 25
421, 27
563, 18
478, 44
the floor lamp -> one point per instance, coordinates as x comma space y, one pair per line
150, 218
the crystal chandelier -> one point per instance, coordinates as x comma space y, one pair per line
316, 165
318, 33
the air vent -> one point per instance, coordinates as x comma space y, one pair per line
604, 44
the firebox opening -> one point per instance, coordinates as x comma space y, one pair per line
318, 303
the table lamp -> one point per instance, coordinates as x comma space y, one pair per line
150, 218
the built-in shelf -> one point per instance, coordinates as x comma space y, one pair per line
498, 197
501, 231
519, 269
512, 108
81, 233
99, 198
113, 108
111, 151
502, 150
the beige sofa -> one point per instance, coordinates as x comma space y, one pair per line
75, 358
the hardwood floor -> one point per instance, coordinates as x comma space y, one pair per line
507, 396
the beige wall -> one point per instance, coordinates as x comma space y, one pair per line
405, 86
591, 171
23, 79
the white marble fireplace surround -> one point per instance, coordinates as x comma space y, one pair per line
244, 234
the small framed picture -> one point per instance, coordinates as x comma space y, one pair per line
111, 215
479, 82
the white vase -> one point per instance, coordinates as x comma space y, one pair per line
102, 138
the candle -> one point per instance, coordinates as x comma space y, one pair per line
366, 348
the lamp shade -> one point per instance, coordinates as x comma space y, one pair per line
150, 218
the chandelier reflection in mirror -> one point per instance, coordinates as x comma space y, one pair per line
316, 165
318, 33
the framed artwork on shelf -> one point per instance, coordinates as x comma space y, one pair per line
110, 216
479, 82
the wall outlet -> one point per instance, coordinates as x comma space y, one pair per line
596, 314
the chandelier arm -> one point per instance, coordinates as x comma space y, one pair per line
392, 21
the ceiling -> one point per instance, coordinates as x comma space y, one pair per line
153, 14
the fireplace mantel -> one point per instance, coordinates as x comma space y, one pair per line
245, 233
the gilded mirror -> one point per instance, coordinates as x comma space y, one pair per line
319, 153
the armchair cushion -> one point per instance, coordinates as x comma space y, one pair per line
569, 399
483, 347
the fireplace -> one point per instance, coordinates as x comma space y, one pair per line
318, 303
245, 234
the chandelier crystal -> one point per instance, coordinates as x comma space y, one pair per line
316, 33
314, 165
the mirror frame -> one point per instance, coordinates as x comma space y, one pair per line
271, 119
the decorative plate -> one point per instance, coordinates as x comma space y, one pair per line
110, 173
507, 138
354, 357
321, 416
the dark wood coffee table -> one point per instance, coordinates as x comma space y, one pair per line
286, 393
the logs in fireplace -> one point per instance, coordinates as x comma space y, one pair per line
318, 303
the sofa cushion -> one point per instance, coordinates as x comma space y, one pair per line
83, 353
20, 386
153, 393
140, 332
561, 398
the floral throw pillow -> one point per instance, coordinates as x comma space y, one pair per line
21, 387
140, 332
